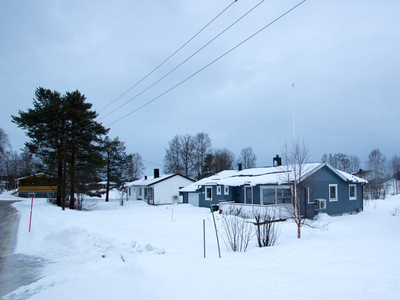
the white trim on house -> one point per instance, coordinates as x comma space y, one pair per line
309, 201
206, 193
226, 190
354, 188
245, 194
219, 190
333, 195
278, 198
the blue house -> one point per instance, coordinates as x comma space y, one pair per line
322, 189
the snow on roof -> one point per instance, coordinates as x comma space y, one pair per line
352, 178
270, 175
34, 175
207, 181
149, 180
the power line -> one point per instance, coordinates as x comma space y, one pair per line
174, 69
149, 162
209, 64
169, 56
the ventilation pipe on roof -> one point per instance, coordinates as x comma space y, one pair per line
156, 173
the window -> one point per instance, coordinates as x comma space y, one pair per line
208, 193
140, 191
352, 192
150, 193
50, 195
129, 191
283, 196
333, 195
308, 196
219, 189
248, 195
226, 190
275, 195
268, 196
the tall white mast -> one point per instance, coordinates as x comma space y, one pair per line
294, 115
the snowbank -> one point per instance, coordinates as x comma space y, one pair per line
137, 251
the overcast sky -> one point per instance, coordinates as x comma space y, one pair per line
343, 58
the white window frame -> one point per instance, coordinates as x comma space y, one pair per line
205, 195
308, 196
355, 192
226, 189
275, 188
219, 190
251, 194
336, 198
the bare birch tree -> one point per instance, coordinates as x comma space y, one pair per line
377, 162
202, 147
247, 158
295, 156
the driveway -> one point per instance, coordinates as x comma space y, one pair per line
15, 269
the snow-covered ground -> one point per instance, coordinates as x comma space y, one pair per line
138, 251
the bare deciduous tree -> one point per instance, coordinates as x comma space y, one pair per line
237, 231
202, 147
4, 144
344, 162
267, 230
223, 159
187, 149
395, 166
172, 159
377, 163
136, 166
186, 155
295, 157
247, 158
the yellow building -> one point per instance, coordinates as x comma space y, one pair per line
38, 186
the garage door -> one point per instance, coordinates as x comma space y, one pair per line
194, 199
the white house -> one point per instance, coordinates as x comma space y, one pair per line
157, 189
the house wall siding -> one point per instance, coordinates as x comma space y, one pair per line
215, 197
319, 189
163, 190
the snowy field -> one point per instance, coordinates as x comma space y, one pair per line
138, 251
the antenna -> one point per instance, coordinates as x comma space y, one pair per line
294, 115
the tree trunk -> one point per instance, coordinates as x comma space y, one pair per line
298, 215
72, 178
59, 178
108, 175
64, 181
298, 230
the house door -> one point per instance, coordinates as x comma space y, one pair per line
248, 195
